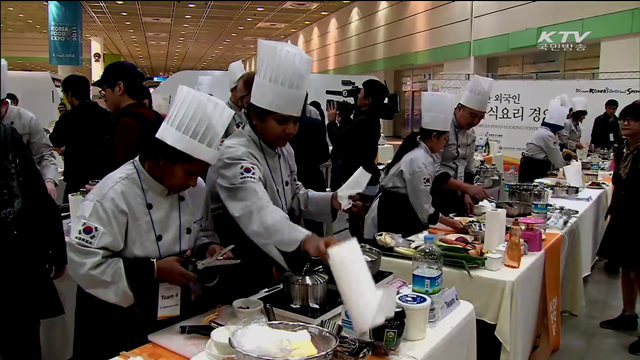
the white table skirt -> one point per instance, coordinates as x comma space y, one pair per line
509, 298
56, 335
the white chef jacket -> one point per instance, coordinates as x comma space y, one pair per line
114, 223
571, 135
413, 176
457, 156
544, 146
36, 140
259, 187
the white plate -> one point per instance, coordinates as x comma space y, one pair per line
212, 353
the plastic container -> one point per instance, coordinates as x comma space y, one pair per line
540, 199
427, 275
416, 308
493, 262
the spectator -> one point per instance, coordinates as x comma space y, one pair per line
358, 141
316, 105
121, 87
606, 127
148, 99
86, 133
33, 136
239, 101
24, 204
13, 99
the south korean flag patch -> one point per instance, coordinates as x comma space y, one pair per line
426, 182
88, 233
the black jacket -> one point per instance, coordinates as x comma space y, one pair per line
32, 238
311, 150
86, 132
603, 130
358, 144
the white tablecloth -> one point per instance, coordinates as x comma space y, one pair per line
509, 298
581, 240
56, 335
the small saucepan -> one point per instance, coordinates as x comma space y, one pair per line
308, 288
373, 258
515, 208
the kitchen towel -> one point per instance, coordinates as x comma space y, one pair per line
573, 174
495, 230
367, 305
356, 184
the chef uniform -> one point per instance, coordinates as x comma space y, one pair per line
458, 155
254, 188
572, 133
404, 206
127, 222
543, 150
236, 69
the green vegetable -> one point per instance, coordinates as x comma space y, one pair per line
458, 263
450, 248
404, 251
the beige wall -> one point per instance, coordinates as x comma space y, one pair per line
611, 50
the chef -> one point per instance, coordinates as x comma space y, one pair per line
572, 134
238, 93
254, 185
453, 189
133, 226
543, 150
404, 206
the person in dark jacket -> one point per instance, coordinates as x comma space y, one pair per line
358, 141
33, 250
618, 244
311, 150
121, 87
606, 127
86, 134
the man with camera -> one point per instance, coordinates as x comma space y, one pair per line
358, 140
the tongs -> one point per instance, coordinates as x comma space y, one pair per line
215, 260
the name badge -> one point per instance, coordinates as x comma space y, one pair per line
168, 301
610, 137
450, 302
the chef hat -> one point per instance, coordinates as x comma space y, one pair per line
579, 104
281, 78
205, 84
564, 100
437, 109
556, 114
195, 123
236, 69
4, 79
478, 93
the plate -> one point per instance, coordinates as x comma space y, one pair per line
213, 354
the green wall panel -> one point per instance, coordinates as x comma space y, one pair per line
523, 38
25, 59
566, 26
609, 25
635, 23
491, 45
440, 54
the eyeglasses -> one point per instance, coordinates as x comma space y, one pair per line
630, 120
102, 93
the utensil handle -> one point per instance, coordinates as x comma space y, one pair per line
271, 315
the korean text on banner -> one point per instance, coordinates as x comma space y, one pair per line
65, 33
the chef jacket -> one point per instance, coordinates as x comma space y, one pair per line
238, 120
457, 157
114, 223
259, 187
36, 140
571, 135
544, 146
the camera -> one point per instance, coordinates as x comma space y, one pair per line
390, 106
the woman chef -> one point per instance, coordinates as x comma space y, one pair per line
255, 189
131, 228
571, 136
453, 185
543, 150
404, 206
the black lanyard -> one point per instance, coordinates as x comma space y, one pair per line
153, 225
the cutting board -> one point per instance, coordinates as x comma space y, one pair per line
188, 345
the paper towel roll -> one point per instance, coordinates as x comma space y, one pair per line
495, 230
493, 148
75, 200
367, 305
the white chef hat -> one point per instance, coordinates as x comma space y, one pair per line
281, 78
195, 124
437, 109
236, 69
564, 100
4, 79
579, 104
205, 84
478, 93
556, 114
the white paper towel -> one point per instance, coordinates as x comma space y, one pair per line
75, 200
367, 305
573, 174
493, 148
495, 230
356, 183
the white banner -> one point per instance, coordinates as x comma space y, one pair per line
517, 107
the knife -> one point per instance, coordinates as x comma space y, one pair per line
203, 330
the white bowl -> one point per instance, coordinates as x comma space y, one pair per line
247, 308
212, 353
220, 338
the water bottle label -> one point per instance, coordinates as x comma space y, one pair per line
540, 208
426, 284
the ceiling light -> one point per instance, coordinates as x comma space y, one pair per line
188, 16
241, 27
325, 12
234, 34
19, 61
307, 22
11, 9
128, 22
220, 47
10, 29
44, 31
124, 13
185, 25
20, 15
183, 32
29, 21
37, 26
191, 5
119, 2
130, 30
249, 19
346, 2
294, 30
260, 8
227, 40
282, 36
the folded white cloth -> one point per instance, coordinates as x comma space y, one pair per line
356, 184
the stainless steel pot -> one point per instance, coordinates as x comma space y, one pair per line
522, 193
373, 258
515, 209
306, 289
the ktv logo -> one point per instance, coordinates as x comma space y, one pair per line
545, 37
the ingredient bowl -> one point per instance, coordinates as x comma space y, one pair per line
373, 258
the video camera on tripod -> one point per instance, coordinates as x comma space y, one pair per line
346, 109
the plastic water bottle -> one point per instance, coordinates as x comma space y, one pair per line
540, 202
510, 178
427, 275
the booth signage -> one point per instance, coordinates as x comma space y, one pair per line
65, 33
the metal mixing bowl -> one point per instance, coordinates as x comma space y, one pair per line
373, 258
